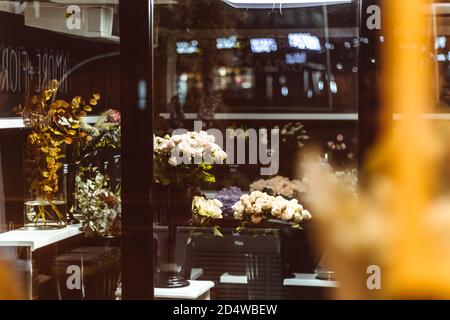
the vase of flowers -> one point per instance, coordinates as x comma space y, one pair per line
182, 163
54, 126
259, 209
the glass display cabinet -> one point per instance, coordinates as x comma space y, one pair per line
159, 148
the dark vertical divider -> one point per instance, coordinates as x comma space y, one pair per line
137, 146
369, 81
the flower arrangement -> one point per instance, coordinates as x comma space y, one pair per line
100, 207
204, 209
259, 206
54, 124
100, 210
294, 134
108, 130
279, 186
186, 158
228, 197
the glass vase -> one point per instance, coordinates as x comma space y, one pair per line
43, 210
173, 208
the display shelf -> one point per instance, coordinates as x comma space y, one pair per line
233, 279
275, 116
36, 239
197, 290
309, 280
17, 123
300, 280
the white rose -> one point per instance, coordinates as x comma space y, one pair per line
298, 218
306, 215
287, 214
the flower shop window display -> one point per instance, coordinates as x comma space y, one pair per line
182, 164
55, 125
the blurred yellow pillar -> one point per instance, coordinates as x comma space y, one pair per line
418, 265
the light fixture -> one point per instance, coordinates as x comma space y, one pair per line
269, 4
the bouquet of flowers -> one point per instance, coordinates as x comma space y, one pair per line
204, 209
55, 124
100, 206
259, 206
228, 197
279, 186
186, 158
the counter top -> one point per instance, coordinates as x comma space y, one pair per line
37, 239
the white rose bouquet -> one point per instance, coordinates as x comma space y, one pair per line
204, 210
259, 206
186, 158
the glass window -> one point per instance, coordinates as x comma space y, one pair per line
261, 85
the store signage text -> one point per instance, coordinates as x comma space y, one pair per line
27, 71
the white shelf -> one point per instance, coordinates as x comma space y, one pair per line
17, 122
232, 279
275, 116
37, 239
194, 291
309, 280
300, 280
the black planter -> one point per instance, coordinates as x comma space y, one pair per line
173, 208
298, 252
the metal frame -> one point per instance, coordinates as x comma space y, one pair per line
136, 19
